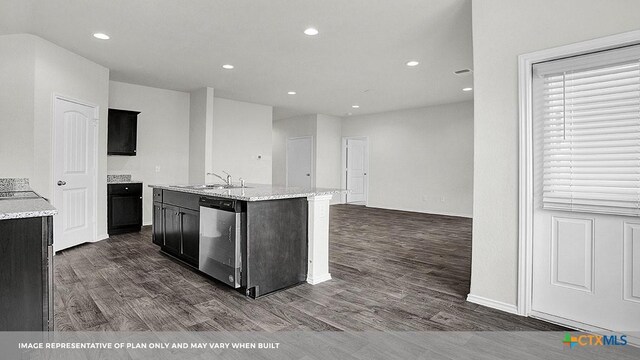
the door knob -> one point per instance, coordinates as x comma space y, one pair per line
308, 174
62, 183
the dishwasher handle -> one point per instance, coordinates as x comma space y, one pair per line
220, 204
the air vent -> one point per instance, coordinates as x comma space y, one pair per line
462, 71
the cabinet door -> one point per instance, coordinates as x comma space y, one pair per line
122, 132
190, 235
21, 275
125, 211
172, 235
158, 235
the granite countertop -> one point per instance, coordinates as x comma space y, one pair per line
124, 182
26, 207
121, 179
254, 192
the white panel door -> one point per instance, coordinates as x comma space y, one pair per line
300, 162
74, 173
356, 154
586, 190
586, 269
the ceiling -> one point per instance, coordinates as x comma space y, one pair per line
358, 58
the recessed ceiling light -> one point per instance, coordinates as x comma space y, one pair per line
101, 36
412, 63
311, 31
227, 66
467, 89
355, 106
291, 93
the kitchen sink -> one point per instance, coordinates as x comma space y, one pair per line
213, 186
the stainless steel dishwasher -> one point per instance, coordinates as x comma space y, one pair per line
220, 239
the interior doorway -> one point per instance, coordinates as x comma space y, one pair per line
355, 174
300, 162
74, 172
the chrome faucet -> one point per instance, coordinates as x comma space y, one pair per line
227, 180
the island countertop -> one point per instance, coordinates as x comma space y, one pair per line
253, 192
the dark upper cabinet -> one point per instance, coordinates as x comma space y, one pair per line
123, 132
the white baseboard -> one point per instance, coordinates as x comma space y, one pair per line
101, 237
443, 213
318, 279
494, 304
633, 339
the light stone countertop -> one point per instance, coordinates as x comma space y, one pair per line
121, 179
18, 208
25, 208
124, 182
254, 192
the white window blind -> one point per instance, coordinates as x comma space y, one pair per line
588, 111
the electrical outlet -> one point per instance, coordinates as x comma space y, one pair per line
442, 199
157, 168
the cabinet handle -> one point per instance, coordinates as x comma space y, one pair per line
140, 197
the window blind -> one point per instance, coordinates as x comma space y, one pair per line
588, 111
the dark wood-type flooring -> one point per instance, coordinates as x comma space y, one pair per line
391, 270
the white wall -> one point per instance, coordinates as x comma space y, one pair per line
242, 133
328, 160
502, 30
17, 78
41, 70
61, 72
200, 134
419, 157
163, 138
327, 138
304, 125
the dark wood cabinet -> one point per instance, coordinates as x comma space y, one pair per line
26, 274
122, 132
275, 249
157, 224
172, 232
180, 217
190, 220
124, 208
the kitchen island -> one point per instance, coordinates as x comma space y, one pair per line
257, 238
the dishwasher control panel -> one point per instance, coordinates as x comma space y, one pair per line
220, 203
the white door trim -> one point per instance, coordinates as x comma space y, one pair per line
96, 120
286, 159
525, 206
343, 169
